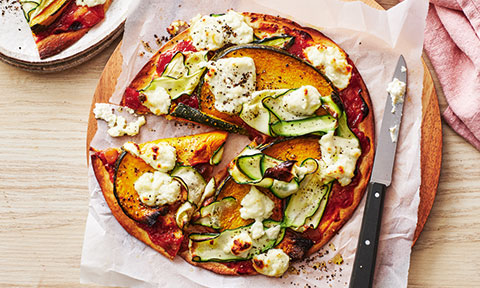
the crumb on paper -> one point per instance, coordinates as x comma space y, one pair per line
177, 27
337, 259
147, 47
117, 124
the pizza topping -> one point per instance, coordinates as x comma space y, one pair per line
396, 89
332, 62
117, 124
192, 180
166, 56
303, 101
272, 232
209, 190
180, 76
280, 41
305, 202
212, 213
255, 168
257, 230
291, 112
184, 213
339, 158
240, 244
313, 221
161, 156
217, 156
214, 32
232, 82
165, 233
232, 244
273, 263
89, 3
255, 115
157, 100
157, 189
282, 171
256, 205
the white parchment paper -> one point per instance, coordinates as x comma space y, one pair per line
374, 40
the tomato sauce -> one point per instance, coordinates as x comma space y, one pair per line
302, 41
355, 106
165, 233
189, 100
73, 18
241, 267
131, 100
109, 158
167, 56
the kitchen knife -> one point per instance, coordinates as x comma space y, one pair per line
364, 264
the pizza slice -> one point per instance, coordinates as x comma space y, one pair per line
57, 24
280, 201
220, 63
153, 188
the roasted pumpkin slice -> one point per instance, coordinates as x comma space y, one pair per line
129, 169
191, 151
46, 13
275, 69
298, 149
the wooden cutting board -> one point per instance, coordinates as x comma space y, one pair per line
431, 140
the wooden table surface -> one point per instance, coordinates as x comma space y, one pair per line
44, 193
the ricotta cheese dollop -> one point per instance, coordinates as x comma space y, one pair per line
396, 89
161, 156
273, 263
157, 189
339, 158
303, 101
232, 82
257, 230
332, 62
157, 100
256, 205
89, 3
214, 32
117, 124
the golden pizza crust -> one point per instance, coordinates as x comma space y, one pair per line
56, 43
216, 267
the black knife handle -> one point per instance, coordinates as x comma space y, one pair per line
364, 264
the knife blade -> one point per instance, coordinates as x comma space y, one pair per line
365, 257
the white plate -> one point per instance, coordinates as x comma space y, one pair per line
18, 48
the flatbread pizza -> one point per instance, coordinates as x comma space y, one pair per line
304, 105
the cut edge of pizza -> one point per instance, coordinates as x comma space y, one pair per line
58, 24
152, 188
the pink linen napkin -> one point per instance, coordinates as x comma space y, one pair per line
452, 42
